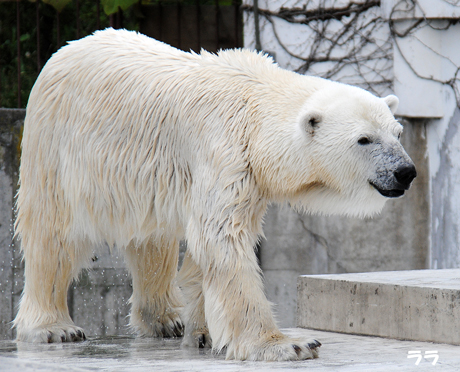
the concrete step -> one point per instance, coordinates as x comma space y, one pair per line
421, 305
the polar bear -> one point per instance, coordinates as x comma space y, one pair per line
133, 144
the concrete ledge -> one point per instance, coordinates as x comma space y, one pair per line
422, 305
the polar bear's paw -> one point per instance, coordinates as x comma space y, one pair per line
198, 338
52, 333
282, 349
169, 325
166, 325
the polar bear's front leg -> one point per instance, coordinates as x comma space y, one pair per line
224, 225
238, 315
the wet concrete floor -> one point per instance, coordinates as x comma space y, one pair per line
340, 352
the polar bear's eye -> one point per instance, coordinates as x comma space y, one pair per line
364, 141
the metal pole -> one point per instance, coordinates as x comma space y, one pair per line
179, 15
18, 44
58, 31
216, 2
0, 85
98, 12
37, 16
256, 25
198, 21
118, 19
160, 6
78, 19
236, 8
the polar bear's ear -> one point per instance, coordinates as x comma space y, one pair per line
311, 121
392, 101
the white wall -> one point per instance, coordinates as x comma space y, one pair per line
298, 40
426, 73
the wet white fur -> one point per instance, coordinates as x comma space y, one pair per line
132, 143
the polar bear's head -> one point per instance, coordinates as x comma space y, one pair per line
347, 155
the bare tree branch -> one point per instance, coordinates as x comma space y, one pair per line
352, 43
304, 16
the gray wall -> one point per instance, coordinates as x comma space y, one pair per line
397, 239
445, 196
10, 264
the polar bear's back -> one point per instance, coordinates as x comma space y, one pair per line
102, 119
117, 77
109, 67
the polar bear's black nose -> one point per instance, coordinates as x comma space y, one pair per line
405, 174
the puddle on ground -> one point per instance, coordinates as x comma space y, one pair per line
107, 347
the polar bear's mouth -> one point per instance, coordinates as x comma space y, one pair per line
393, 193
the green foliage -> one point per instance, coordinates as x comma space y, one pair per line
59, 5
31, 59
111, 6
8, 54
48, 10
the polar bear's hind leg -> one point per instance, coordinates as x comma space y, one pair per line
51, 265
156, 300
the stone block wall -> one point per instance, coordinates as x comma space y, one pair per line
11, 267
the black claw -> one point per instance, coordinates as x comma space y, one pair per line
314, 345
83, 336
79, 334
178, 330
297, 349
50, 339
201, 341
73, 337
62, 339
